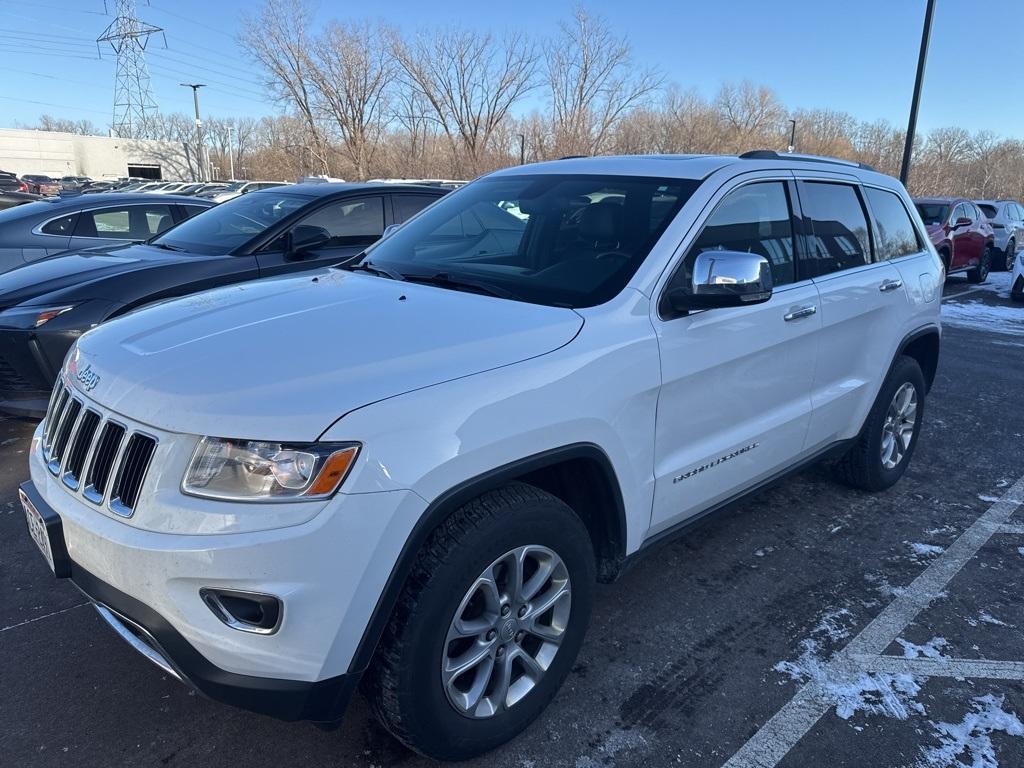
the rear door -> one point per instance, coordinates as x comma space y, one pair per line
735, 400
349, 225
863, 305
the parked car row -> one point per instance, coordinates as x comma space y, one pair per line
974, 237
47, 300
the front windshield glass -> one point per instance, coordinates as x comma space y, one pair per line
563, 240
932, 213
227, 226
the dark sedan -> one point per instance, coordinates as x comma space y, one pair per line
46, 305
46, 227
14, 199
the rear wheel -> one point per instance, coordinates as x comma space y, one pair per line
882, 451
1011, 253
979, 274
944, 255
488, 624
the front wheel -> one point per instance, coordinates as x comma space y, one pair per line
1010, 254
882, 451
488, 624
979, 274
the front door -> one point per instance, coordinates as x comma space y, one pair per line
735, 397
340, 230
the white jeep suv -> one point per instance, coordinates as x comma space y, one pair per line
410, 470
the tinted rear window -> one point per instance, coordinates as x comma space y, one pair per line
839, 238
989, 210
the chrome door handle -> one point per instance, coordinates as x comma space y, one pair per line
890, 285
796, 314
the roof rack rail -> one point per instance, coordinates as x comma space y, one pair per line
573, 157
771, 154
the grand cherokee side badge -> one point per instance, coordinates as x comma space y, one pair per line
715, 463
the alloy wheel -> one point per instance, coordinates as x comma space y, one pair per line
506, 631
1011, 252
898, 429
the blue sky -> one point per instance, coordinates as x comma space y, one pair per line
852, 55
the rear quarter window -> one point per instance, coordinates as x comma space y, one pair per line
896, 234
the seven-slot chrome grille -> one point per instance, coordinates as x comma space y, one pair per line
94, 455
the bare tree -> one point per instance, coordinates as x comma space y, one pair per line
63, 125
592, 83
750, 114
278, 38
352, 75
470, 81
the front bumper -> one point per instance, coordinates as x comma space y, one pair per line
154, 637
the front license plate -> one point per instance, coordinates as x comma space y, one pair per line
37, 529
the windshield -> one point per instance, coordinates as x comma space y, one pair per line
225, 227
932, 213
547, 239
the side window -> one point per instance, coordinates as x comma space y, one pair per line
192, 210
754, 218
136, 222
64, 226
407, 206
958, 213
353, 221
839, 228
896, 234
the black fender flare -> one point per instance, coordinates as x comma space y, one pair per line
447, 502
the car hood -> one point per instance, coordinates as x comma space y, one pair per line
32, 283
282, 359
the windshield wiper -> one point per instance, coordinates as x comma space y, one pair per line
166, 247
373, 269
445, 280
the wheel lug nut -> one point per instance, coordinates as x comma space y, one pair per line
522, 611
505, 610
501, 651
519, 636
491, 635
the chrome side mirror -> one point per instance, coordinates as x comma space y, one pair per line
724, 279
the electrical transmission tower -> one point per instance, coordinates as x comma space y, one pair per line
128, 36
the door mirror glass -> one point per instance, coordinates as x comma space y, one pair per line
725, 279
305, 237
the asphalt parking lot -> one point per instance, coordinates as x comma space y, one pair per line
812, 626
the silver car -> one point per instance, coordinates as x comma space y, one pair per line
1007, 218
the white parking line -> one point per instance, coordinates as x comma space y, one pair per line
960, 668
963, 293
780, 734
40, 618
1012, 529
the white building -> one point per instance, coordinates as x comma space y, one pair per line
68, 154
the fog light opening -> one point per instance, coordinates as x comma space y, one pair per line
244, 611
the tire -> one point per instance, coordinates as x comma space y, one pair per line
944, 255
979, 274
864, 465
404, 684
1010, 254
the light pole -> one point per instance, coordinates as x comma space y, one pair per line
922, 59
522, 149
231, 152
792, 136
200, 164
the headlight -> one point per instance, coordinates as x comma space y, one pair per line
33, 317
253, 470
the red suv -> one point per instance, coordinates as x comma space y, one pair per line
960, 233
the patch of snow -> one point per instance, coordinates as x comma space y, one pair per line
1020, 550
988, 618
973, 736
924, 550
855, 691
831, 625
986, 497
930, 650
984, 317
